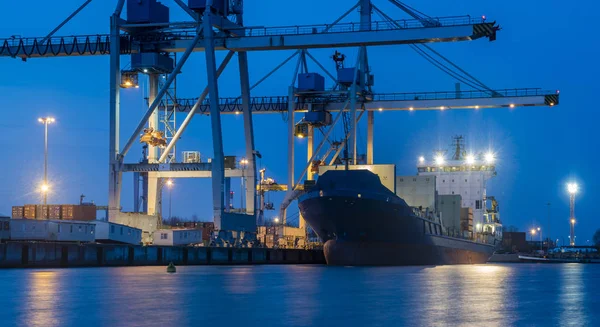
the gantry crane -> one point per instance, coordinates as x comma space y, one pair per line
218, 25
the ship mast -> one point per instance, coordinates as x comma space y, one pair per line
459, 147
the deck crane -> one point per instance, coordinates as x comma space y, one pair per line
222, 28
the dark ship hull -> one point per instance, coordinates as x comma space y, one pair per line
363, 223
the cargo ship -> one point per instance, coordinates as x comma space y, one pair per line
363, 222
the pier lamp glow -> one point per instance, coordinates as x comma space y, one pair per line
276, 220
421, 159
490, 157
45, 188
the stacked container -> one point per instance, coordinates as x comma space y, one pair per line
207, 230
29, 211
78, 212
18, 212
55, 212
41, 211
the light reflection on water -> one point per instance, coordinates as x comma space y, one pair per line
41, 298
480, 295
572, 295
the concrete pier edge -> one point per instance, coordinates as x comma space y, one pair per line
66, 255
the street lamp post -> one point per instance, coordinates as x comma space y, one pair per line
541, 240
170, 186
572, 188
243, 165
45, 187
548, 227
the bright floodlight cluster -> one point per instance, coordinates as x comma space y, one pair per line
470, 159
573, 188
46, 120
439, 159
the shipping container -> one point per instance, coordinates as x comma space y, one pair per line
41, 211
112, 233
174, 237
29, 211
18, 212
192, 225
78, 212
55, 212
207, 234
4, 228
51, 230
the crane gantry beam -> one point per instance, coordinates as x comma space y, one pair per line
387, 102
175, 39
451, 29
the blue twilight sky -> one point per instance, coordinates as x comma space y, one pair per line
548, 45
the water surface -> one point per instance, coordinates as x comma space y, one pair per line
481, 295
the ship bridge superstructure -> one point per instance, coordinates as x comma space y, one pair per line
464, 174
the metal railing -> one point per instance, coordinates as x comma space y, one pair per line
337, 28
100, 43
357, 27
447, 95
280, 103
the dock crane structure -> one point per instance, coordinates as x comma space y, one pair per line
218, 25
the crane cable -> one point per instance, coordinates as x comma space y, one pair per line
467, 78
444, 68
473, 79
415, 11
